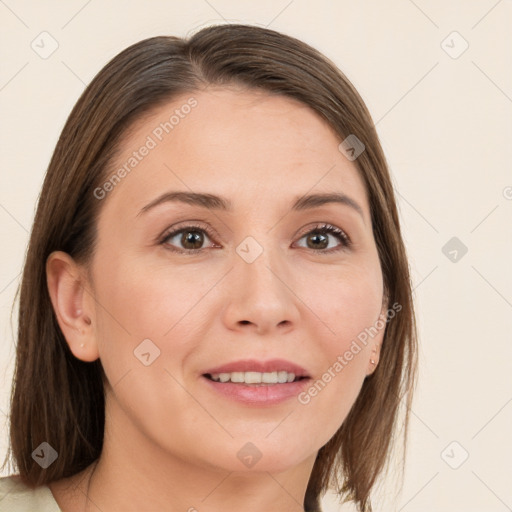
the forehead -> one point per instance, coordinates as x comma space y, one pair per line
233, 142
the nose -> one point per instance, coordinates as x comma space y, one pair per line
261, 297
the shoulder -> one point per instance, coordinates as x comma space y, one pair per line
15, 496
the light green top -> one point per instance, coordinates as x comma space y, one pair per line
17, 497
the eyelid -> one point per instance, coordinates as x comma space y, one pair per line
190, 224
322, 225
331, 229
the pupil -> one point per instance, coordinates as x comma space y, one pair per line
317, 237
194, 238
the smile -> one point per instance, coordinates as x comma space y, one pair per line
255, 378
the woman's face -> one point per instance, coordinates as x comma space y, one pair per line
181, 288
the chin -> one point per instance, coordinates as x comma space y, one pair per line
260, 456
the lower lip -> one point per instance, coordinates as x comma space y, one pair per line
266, 394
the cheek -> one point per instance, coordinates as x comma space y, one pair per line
137, 302
349, 303
143, 301
144, 336
349, 307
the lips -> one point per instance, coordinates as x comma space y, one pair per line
253, 365
239, 381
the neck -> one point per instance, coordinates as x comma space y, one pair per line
180, 486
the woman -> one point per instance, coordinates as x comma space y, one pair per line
215, 310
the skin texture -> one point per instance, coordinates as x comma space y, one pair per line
171, 443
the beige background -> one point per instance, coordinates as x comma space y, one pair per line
445, 121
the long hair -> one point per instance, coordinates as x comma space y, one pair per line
59, 399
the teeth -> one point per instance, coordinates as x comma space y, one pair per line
254, 377
282, 377
269, 378
237, 377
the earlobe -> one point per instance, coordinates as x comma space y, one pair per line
66, 286
372, 364
375, 354
374, 358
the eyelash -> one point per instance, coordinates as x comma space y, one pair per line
321, 228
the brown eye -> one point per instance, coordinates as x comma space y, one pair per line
318, 238
189, 239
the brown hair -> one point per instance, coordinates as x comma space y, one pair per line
59, 399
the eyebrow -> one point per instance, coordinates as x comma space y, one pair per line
213, 202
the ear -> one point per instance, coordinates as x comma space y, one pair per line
73, 304
374, 356
377, 342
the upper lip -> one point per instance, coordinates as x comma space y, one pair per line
253, 365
